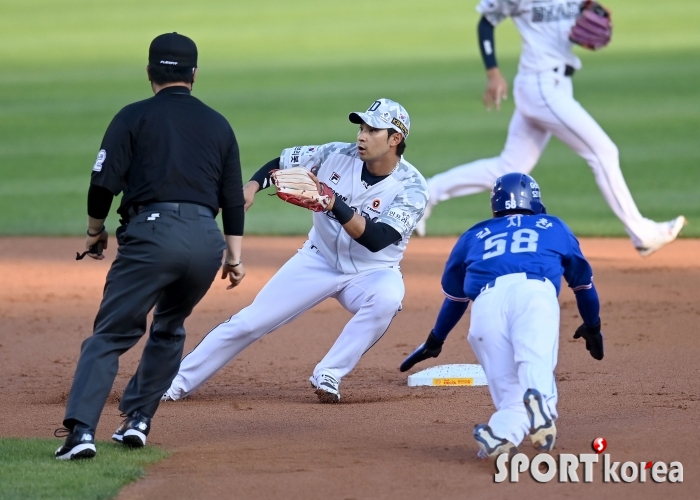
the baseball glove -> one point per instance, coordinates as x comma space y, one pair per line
431, 348
594, 339
295, 186
593, 27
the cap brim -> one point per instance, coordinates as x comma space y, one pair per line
370, 120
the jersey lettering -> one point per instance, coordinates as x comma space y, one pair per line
527, 236
523, 240
498, 241
555, 13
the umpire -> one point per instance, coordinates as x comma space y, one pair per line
177, 162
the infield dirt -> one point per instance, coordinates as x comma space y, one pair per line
256, 429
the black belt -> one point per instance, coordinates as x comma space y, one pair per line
183, 209
530, 276
568, 70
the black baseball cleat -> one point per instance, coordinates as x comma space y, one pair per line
80, 443
133, 430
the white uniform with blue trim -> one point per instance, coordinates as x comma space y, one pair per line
545, 107
329, 265
511, 268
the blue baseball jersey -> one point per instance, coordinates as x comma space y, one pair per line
538, 244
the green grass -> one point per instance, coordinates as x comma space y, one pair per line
287, 73
28, 469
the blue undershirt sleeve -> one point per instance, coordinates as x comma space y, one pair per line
450, 314
588, 305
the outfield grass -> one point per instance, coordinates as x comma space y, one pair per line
287, 73
28, 469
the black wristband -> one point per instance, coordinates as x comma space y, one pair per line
342, 212
102, 230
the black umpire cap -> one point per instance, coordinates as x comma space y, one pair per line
174, 50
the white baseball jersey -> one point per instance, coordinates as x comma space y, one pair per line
545, 107
544, 26
398, 200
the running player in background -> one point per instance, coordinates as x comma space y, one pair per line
352, 254
545, 106
511, 267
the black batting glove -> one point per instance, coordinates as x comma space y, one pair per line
431, 348
593, 337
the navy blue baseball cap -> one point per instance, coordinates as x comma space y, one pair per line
173, 49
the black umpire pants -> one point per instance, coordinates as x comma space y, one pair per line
166, 259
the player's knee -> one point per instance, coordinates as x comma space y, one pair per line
386, 304
607, 151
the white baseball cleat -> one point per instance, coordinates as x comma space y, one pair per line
491, 446
669, 231
543, 432
327, 388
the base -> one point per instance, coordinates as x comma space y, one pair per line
449, 376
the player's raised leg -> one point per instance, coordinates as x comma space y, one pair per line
556, 108
524, 145
304, 281
374, 298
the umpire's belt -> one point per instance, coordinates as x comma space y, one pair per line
186, 210
529, 276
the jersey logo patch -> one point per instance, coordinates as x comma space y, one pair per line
101, 157
335, 178
376, 203
153, 217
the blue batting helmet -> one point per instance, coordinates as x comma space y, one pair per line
515, 192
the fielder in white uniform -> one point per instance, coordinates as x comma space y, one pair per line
352, 254
545, 106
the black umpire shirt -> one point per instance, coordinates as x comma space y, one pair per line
169, 148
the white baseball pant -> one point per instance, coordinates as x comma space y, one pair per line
374, 297
514, 332
545, 106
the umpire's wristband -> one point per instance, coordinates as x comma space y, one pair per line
342, 212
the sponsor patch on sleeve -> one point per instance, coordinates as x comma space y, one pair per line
403, 217
101, 157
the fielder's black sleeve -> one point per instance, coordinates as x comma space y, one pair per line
487, 43
99, 201
262, 176
377, 236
